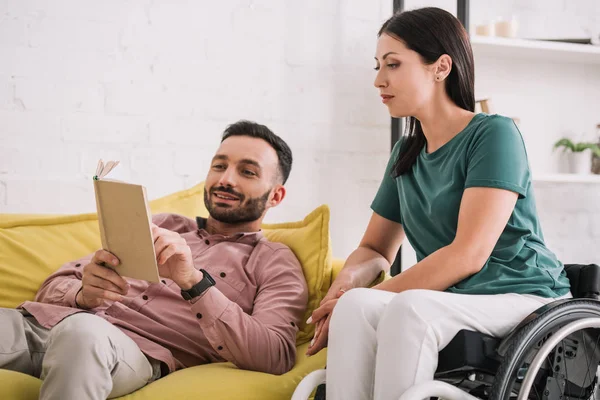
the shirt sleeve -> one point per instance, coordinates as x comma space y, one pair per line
387, 200
264, 340
62, 286
497, 158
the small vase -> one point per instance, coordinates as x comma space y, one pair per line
580, 162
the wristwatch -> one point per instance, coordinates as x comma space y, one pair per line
200, 287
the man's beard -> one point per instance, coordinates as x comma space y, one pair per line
248, 211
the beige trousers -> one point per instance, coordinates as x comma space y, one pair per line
82, 357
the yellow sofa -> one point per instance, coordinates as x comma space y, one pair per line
33, 246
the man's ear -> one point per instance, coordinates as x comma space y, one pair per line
277, 196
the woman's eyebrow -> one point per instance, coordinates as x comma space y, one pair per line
385, 55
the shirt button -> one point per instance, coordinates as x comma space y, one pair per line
207, 241
163, 281
223, 274
198, 315
293, 324
145, 297
78, 265
220, 348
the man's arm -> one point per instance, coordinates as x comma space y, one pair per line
61, 287
265, 340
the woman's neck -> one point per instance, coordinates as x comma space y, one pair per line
442, 122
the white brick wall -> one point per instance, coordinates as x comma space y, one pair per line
153, 84
570, 218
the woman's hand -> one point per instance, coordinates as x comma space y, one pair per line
341, 284
321, 317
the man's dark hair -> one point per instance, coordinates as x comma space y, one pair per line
252, 129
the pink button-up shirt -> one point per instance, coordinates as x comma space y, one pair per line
250, 317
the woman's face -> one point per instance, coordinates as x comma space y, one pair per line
405, 83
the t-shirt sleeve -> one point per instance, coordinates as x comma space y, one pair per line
387, 200
497, 158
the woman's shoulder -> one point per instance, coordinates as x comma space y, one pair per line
496, 122
495, 134
495, 128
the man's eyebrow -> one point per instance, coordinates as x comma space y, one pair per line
249, 161
385, 55
242, 161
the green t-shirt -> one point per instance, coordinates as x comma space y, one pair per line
489, 152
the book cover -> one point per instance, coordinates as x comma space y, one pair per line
125, 225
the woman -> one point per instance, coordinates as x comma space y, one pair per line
459, 187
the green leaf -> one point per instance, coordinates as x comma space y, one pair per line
567, 144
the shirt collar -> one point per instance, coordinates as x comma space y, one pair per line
246, 237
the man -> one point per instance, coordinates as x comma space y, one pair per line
227, 294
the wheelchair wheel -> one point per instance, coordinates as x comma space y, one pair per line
569, 371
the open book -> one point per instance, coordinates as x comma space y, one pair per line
124, 218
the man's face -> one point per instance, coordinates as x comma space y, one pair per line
240, 182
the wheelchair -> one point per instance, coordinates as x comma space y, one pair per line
553, 354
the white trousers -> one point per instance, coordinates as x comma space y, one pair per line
382, 343
83, 357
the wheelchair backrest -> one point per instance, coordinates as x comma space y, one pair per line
585, 280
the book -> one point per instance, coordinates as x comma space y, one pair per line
125, 225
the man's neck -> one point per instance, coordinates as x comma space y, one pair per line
215, 227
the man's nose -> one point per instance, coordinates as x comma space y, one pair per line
227, 178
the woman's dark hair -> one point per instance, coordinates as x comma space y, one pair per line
432, 32
252, 129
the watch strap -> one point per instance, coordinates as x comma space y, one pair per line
200, 287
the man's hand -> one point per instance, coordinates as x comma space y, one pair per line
174, 258
100, 283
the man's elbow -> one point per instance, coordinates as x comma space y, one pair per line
282, 367
273, 367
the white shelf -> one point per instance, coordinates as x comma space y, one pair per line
536, 49
567, 178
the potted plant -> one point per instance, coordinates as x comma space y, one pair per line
580, 160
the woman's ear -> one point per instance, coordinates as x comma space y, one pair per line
443, 67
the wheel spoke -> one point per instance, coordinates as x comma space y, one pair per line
587, 362
562, 343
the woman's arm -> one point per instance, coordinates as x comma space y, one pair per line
483, 215
374, 254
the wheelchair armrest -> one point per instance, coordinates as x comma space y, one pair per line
540, 311
584, 280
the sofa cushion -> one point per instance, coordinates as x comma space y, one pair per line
310, 242
221, 381
34, 246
